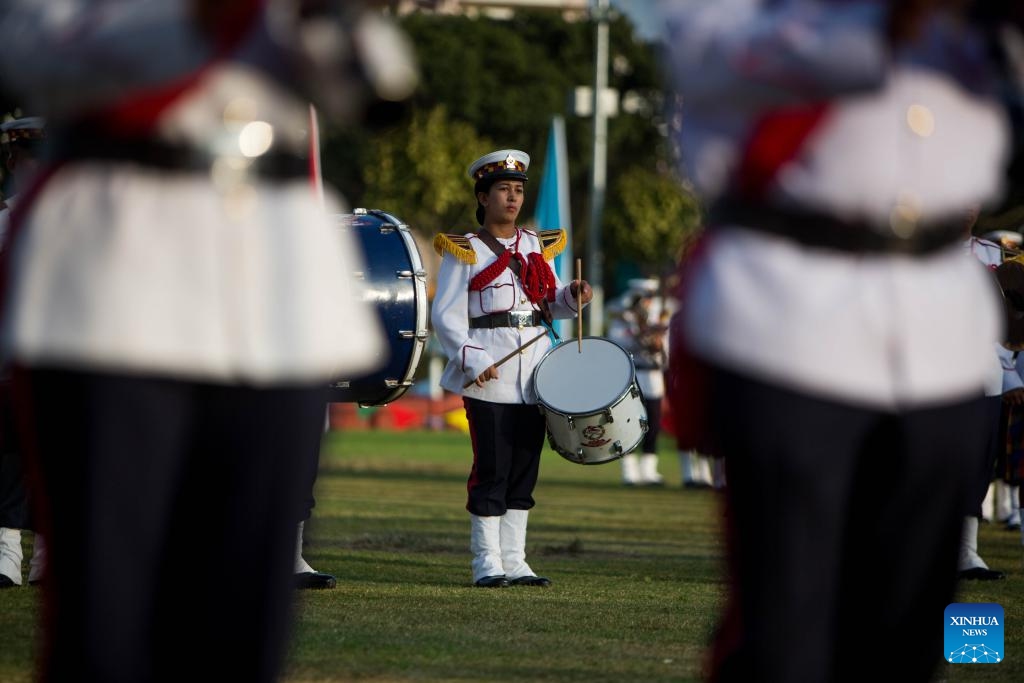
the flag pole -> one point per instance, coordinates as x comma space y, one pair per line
579, 308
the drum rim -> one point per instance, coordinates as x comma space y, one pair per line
420, 287
565, 453
597, 411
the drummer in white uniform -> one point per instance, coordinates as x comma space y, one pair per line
20, 144
483, 311
177, 301
1002, 377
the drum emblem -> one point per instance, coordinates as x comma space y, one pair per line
592, 436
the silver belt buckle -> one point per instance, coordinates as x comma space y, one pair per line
522, 318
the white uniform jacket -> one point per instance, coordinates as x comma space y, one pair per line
897, 136
471, 351
219, 274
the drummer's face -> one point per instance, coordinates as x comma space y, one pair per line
504, 200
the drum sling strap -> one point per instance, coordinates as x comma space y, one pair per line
513, 264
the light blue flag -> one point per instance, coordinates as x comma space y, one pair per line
552, 211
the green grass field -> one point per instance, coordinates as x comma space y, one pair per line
637, 577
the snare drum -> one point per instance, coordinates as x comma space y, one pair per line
591, 401
394, 281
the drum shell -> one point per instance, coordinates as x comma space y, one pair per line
394, 283
600, 435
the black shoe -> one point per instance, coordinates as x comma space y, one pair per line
979, 574
6, 582
314, 581
539, 581
492, 582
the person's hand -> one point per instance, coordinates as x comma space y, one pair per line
487, 375
1014, 397
578, 287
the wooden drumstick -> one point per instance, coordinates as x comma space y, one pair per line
579, 311
511, 355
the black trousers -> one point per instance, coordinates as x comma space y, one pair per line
310, 470
507, 442
14, 512
650, 441
995, 441
13, 499
843, 526
170, 511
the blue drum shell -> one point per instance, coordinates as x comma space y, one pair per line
394, 283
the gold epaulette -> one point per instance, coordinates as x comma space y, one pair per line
456, 245
552, 242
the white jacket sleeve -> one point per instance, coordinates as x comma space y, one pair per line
450, 319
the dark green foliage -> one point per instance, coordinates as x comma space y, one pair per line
490, 84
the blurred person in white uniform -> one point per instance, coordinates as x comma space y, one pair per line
845, 340
636, 324
172, 274
1001, 499
20, 143
1002, 386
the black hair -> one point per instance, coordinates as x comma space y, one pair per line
482, 185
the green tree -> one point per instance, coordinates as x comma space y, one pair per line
656, 217
424, 172
489, 84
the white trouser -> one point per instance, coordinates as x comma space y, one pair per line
11, 554
513, 544
969, 558
485, 544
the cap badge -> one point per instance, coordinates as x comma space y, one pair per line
510, 162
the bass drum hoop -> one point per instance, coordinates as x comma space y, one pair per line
418, 276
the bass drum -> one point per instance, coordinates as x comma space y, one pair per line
591, 402
394, 282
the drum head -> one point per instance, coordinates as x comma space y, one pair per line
574, 383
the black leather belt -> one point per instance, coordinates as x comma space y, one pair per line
518, 319
167, 156
825, 231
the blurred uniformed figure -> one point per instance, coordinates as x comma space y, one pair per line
174, 277
637, 323
1001, 386
845, 340
1002, 499
1012, 469
482, 311
20, 142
